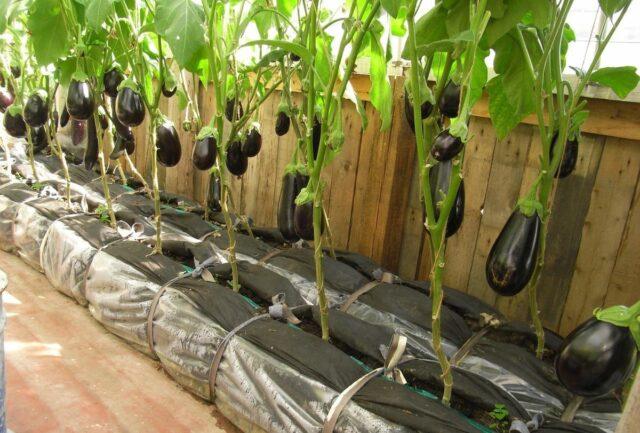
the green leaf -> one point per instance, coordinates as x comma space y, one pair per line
49, 34
290, 47
479, 76
97, 11
398, 24
540, 10
610, 7
504, 116
444, 45
393, 6
381, 95
430, 28
181, 23
286, 7
622, 80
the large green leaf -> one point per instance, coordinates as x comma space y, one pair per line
512, 12
430, 28
49, 34
622, 80
504, 115
445, 45
610, 7
291, 47
181, 23
380, 93
97, 11
286, 7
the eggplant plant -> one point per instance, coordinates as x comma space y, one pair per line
529, 62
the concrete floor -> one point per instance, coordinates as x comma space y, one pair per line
66, 373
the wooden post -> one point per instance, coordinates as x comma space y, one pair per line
631, 416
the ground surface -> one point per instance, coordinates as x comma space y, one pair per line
65, 373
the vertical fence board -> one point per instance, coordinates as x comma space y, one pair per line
411, 244
603, 228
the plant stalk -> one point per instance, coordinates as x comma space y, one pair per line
103, 171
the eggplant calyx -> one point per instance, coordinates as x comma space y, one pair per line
529, 206
207, 131
80, 75
129, 83
621, 315
15, 109
305, 196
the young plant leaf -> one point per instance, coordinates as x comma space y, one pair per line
181, 23
622, 80
45, 19
610, 7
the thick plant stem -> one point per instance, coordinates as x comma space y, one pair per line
123, 176
63, 161
437, 297
329, 236
157, 249
137, 175
533, 293
103, 172
318, 258
32, 161
224, 204
571, 409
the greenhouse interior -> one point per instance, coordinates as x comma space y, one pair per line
319, 216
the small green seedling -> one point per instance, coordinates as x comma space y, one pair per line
500, 415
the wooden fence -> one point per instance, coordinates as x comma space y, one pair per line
593, 255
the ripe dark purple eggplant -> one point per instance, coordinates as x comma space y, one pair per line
80, 100
14, 122
168, 93
513, 256
38, 139
252, 143
6, 99
215, 193
450, 100
36, 110
111, 80
439, 181
104, 120
446, 146
205, 152
121, 145
237, 162
168, 144
129, 107
292, 184
233, 109
569, 159
283, 122
121, 129
303, 221
64, 118
596, 358
91, 152
425, 109
294, 57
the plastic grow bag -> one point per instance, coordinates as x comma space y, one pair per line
11, 196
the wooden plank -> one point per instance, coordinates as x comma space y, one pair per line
373, 154
631, 414
571, 204
477, 164
343, 171
413, 229
267, 159
623, 285
611, 200
503, 189
395, 188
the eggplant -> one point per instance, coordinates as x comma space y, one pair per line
439, 181
36, 110
91, 152
121, 129
215, 193
512, 258
38, 139
425, 109
129, 107
292, 184
237, 162
14, 123
252, 143
233, 109
294, 57
64, 118
317, 130
303, 221
6, 99
168, 146
596, 358
449, 103
78, 128
121, 145
283, 122
104, 120
16, 71
80, 100
446, 146
569, 159
205, 152
111, 80
168, 93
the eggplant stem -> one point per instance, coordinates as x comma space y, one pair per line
329, 235
319, 258
103, 171
31, 158
157, 248
224, 204
571, 409
57, 148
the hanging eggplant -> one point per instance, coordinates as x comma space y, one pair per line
124, 131
513, 256
439, 181
168, 145
129, 106
38, 138
283, 122
292, 184
91, 152
205, 150
80, 100
122, 145
215, 193
596, 358
233, 109
252, 142
6, 99
303, 221
111, 80
569, 159
449, 103
446, 146
237, 162
64, 118
36, 110
425, 110
14, 122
